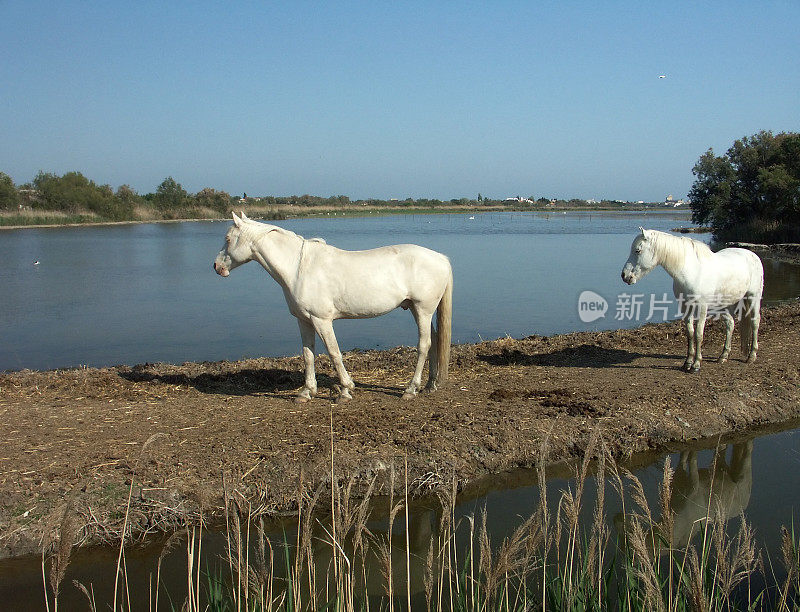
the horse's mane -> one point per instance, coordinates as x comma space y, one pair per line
671, 250
264, 228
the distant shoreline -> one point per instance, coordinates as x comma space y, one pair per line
304, 212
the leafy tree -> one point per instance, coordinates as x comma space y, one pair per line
74, 193
127, 199
125, 193
9, 196
211, 198
170, 195
753, 191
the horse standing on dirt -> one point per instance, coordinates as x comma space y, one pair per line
322, 283
728, 282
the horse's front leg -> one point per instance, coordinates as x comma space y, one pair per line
690, 328
423, 346
308, 337
324, 328
727, 321
698, 337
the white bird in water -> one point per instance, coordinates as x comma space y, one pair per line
472, 218
662, 76
36, 263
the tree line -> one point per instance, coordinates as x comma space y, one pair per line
74, 194
752, 192
81, 199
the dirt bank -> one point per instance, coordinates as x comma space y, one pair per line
789, 251
82, 436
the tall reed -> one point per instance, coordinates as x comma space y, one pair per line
554, 559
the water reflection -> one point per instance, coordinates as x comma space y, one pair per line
720, 491
383, 555
697, 494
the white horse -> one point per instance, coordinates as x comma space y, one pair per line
322, 283
722, 283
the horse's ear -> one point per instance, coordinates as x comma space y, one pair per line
644, 232
236, 220
244, 217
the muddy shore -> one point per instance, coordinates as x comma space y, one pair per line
80, 437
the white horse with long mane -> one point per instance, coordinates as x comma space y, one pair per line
322, 283
724, 283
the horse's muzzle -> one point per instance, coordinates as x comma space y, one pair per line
221, 270
628, 276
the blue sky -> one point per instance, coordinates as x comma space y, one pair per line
402, 99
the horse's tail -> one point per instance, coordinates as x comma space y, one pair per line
444, 321
751, 313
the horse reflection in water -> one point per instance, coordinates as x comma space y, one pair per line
371, 566
700, 494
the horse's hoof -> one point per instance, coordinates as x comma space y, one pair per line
342, 394
409, 396
751, 358
695, 369
722, 359
301, 399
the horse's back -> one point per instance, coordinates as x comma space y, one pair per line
745, 263
725, 277
404, 259
353, 284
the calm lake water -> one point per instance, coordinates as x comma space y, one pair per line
146, 293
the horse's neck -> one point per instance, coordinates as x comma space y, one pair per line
675, 257
279, 254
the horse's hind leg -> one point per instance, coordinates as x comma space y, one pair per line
433, 361
423, 319
727, 321
754, 312
324, 328
307, 334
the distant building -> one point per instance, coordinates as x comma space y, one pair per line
519, 200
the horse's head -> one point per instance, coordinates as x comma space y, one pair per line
642, 258
238, 249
